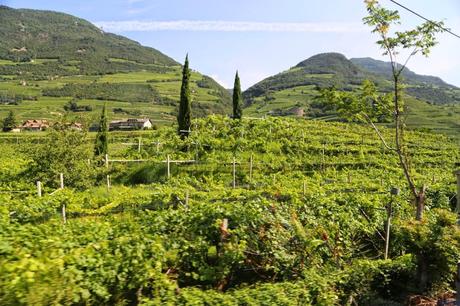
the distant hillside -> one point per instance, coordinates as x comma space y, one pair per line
322, 70
49, 58
384, 69
293, 92
30, 34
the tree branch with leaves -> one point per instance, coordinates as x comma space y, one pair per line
419, 40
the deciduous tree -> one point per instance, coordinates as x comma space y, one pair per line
408, 43
9, 122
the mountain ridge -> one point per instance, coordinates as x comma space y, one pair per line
433, 104
48, 59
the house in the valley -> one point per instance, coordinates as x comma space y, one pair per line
35, 125
130, 124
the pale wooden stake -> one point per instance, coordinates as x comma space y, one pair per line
108, 181
457, 285
106, 160
251, 161
168, 161
394, 192
186, 198
234, 172
139, 145
64, 219
39, 188
304, 187
61, 179
457, 173
158, 146
387, 229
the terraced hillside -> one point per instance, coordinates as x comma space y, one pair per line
48, 59
433, 104
302, 224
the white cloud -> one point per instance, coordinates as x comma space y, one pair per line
229, 26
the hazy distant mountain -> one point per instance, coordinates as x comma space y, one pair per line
384, 69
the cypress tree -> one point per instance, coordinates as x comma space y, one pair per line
237, 99
9, 122
185, 107
101, 145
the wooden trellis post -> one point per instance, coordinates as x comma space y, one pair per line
304, 187
168, 166
106, 160
158, 146
394, 192
457, 173
251, 161
139, 143
39, 188
108, 181
61, 180
234, 172
457, 285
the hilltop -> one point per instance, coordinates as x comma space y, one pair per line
433, 103
48, 58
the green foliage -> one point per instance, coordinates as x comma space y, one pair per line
147, 244
184, 116
105, 91
101, 146
237, 99
362, 105
9, 122
52, 35
73, 106
418, 40
61, 151
435, 244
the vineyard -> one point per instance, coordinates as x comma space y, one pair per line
257, 212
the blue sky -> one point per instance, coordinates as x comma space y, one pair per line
259, 37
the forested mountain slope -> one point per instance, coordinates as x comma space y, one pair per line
433, 104
49, 58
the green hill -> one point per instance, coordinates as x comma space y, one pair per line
433, 104
48, 58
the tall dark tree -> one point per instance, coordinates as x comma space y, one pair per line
101, 145
9, 122
185, 107
237, 99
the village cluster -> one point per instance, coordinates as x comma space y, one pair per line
132, 124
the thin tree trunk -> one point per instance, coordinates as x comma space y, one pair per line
420, 203
419, 197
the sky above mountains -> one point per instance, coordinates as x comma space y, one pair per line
260, 37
